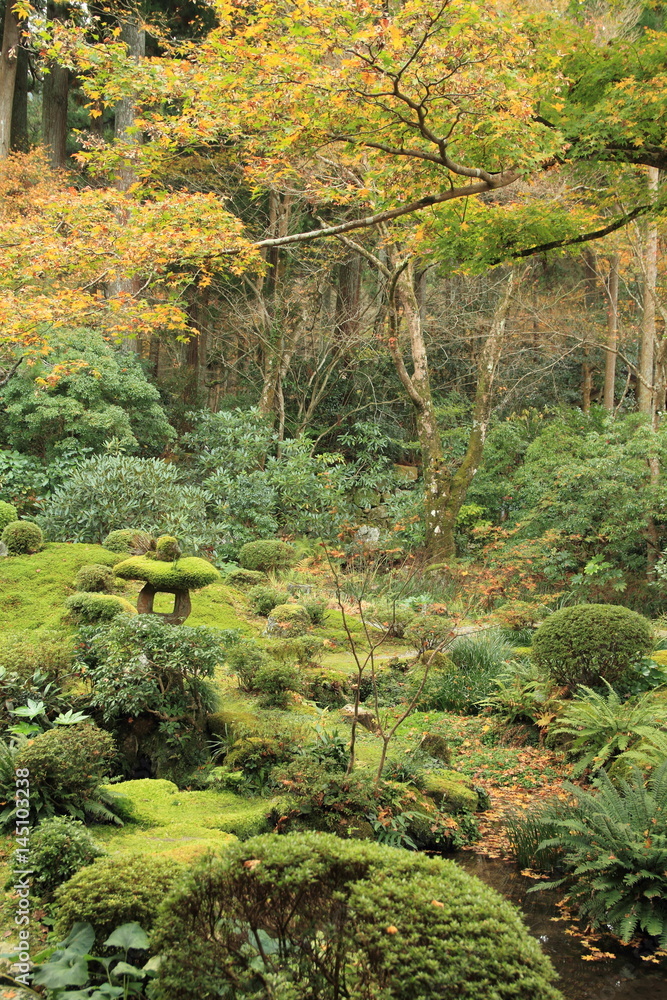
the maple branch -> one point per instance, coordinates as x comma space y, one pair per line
623, 220
12, 371
499, 180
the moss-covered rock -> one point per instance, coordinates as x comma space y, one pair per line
167, 549
188, 573
243, 578
451, 790
91, 608
129, 541
436, 746
267, 554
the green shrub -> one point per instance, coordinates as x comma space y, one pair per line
605, 730
527, 832
115, 890
326, 690
590, 642
22, 538
463, 682
614, 843
263, 598
316, 610
60, 847
275, 681
288, 620
255, 754
244, 660
25, 653
429, 632
315, 915
66, 766
244, 578
266, 555
8, 514
167, 548
127, 540
302, 649
91, 609
94, 579
521, 694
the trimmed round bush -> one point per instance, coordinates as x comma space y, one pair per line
130, 541
396, 925
267, 554
244, 578
252, 754
8, 514
288, 620
94, 579
263, 599
167, 548
590, 642
245, 659
274, 681
93, 608
22, 538
59, 848
113, 891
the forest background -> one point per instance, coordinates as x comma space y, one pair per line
292, 268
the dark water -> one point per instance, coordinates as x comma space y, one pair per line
622, 978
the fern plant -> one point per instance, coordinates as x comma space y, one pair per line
606, 730
614, 843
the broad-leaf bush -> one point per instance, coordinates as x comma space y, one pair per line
613, 841
314, 915
582, 644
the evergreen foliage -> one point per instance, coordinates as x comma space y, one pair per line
22, 538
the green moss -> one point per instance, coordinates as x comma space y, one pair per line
186, 573
33, 588
660, 657
181, 824
451, 790
231, 724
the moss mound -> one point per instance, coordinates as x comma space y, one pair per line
188, 573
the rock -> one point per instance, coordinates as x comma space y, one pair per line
451, 790
365, 717
367, 535
287, 621
436, 746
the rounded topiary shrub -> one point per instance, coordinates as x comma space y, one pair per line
167, 548
93, 608
60, 847
244, 578
263, 599
275, 681
583, 644
94, 579
244, 660
396, 925
288, 620
22, 538
113, 891
265, 555
8, 513
130, 541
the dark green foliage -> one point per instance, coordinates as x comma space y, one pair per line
143, 664
526, 833
288, 620
614, 843
275, 681
66, 766
90, 609
263, 598
109, 397
167, 548
127, 540
325, 690
115, 890
244, 578
255, 755
316, 610
109, 492
461, 684
267, 554
60, 847
8, 513
310, 912
22, 538
583, 644
244, 660
94, 579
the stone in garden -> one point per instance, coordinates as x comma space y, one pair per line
365, 717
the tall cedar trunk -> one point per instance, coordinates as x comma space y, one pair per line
612, 335
645, 400
135, 39
348, 291
8, 66
55, 92
19, 137
444, 491
277, 348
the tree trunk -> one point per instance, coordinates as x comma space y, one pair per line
612, 335
19, 135
277, 348
8, 67
590, 299
54, 114
645, 401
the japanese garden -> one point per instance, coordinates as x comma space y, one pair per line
333, 507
